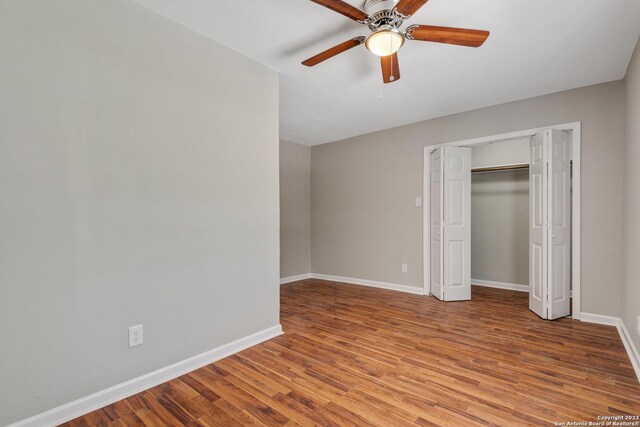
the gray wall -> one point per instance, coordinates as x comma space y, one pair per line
138, 184
500, 214
295, 209
500, 227
364, 222
631, 269
501, 153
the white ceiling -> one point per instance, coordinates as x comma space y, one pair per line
535, 47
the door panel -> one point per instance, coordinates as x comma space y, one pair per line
560, 223
537, 228
550, 224
457, 223
455, 273
435, 203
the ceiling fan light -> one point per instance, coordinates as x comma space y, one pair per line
384, 42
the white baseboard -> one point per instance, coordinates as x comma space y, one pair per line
84, 405
370, 283
295, 278
599, 319
629, 345
500, 285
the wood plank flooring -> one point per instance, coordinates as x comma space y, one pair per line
353, 355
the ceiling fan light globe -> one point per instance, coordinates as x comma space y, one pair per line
384, 42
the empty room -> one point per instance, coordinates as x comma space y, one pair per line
319, 212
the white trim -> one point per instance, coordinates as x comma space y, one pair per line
105, 397
295, 278
426, 223
500, 285
370, 283
576, 246
599, 319
576, 133
629, 345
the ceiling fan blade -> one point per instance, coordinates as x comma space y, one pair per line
390, 68
407, 8
344, 9
330, 53
457, 36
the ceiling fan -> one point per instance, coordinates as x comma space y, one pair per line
384, 18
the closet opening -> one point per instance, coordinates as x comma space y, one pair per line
500, 215
504, 211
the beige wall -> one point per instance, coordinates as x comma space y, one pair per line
501, 153
631, 269
138, 184
364, 222
500, 227
500, 214
295, 209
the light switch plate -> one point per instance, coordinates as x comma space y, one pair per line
418, 201
136, 335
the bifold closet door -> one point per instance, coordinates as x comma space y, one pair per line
451, 223
559, 224
550, 224
537, 226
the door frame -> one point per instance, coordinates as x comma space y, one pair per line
576, 142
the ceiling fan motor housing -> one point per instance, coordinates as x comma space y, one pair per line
381, 13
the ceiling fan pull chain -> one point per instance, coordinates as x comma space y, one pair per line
392, 77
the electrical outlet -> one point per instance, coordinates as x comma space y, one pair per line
404, 268
136, 335
418, 201
638, 330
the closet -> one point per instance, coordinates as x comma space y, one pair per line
500, 215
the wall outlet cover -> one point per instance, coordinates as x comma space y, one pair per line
136, 335
404, 268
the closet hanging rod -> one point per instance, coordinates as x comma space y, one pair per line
501, 168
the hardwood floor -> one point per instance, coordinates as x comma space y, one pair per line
362, 356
